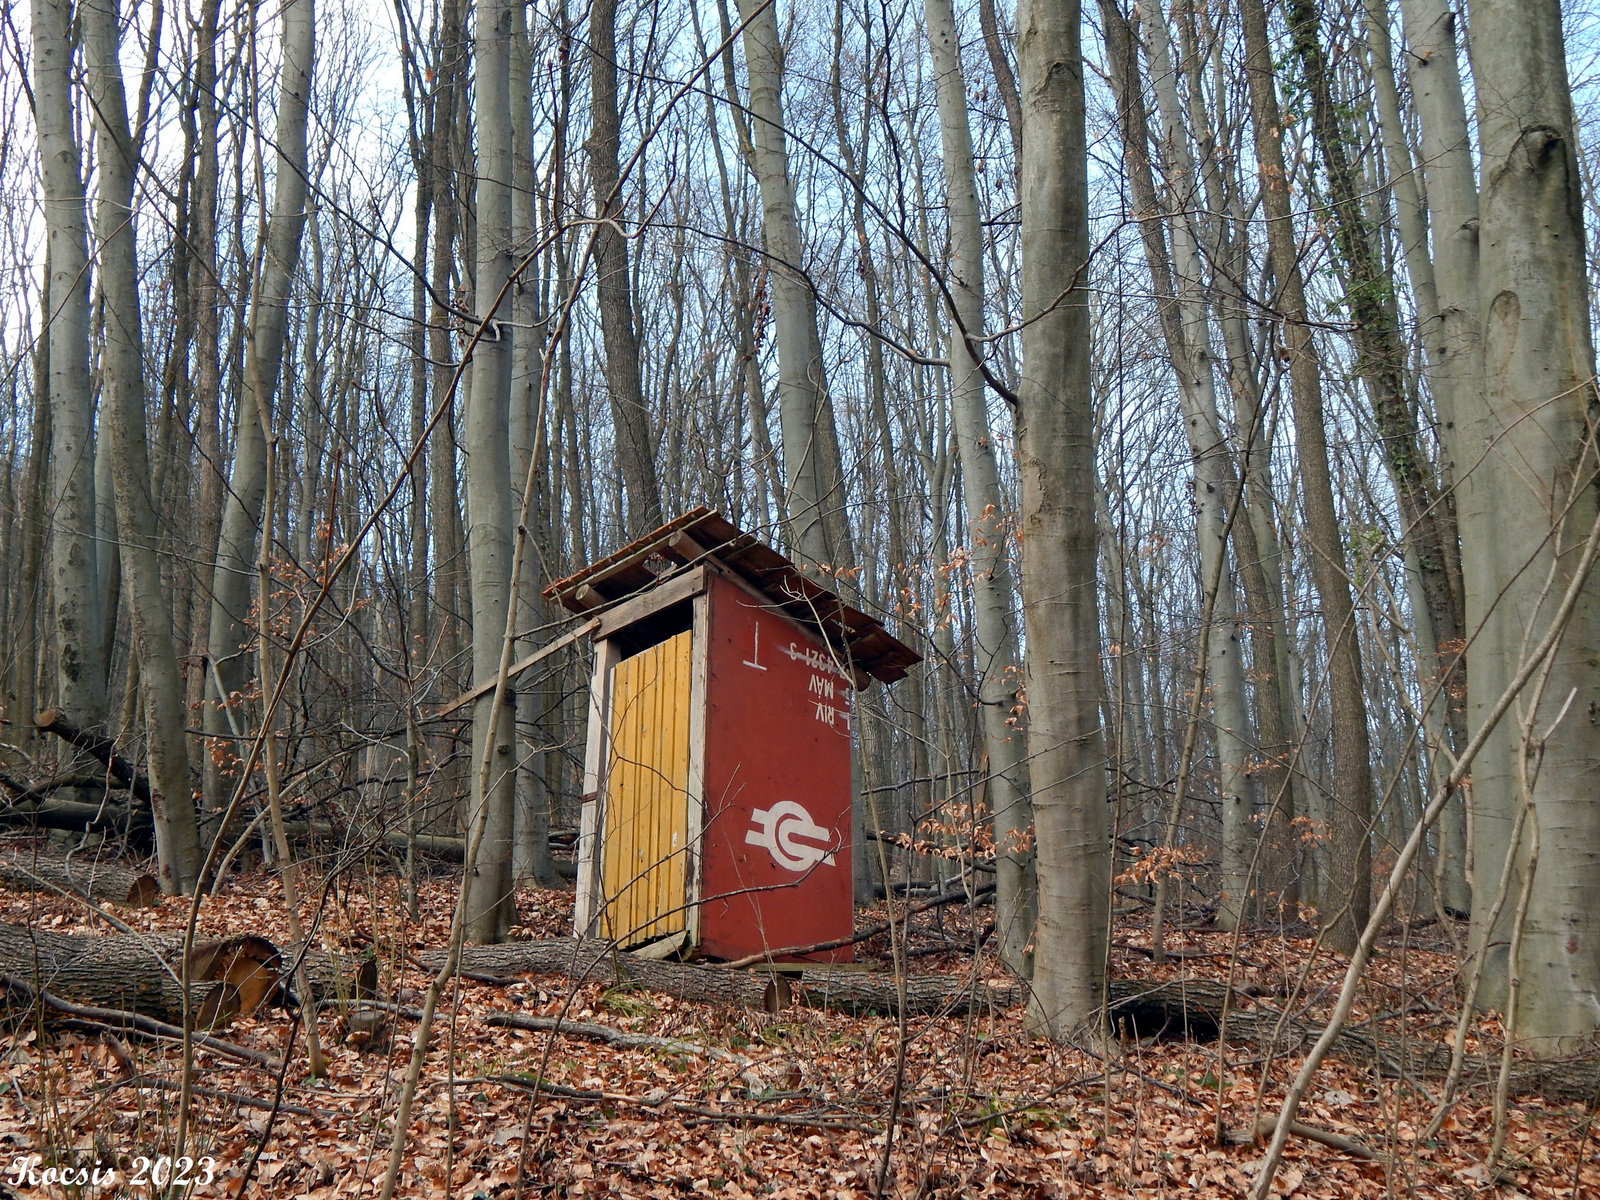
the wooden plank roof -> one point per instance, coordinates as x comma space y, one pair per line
701, 535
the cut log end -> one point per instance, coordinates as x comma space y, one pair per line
145, 892
228, 977
247, 967
106, 882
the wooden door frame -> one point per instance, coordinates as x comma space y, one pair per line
689, 585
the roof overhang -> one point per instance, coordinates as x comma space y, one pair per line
703, 535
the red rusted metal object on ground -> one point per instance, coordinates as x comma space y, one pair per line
717, 813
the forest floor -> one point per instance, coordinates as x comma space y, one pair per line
792, 1104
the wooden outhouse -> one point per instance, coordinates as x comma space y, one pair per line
717, 789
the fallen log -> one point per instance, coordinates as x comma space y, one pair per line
34, 808
853, 992
79, 782
76, 816
1194, 1008
617, 1039
334, 978
438, 845
138, 974
1184, 1009
654, 1101
102, 749
94, 879
1190, 1009
90, 1018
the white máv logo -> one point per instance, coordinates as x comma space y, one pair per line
780, 826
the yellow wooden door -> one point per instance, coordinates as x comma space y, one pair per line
644, 853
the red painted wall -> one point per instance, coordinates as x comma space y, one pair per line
776, 839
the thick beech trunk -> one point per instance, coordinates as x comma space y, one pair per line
1536, 434
27, 616
74, 553
206, 384
450, 588
530, 854
1443, 715
489, 900
1055, 459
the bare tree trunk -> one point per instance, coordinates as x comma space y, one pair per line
1186, 323
815, 514
1411, 213
108, 562
629, 417
750, 294
988, 516
1452, 338
1352, 765
1433, 574
80, 664
1539, 428
1259, 554
207, 384
12, 504
1055, 456
1445, 715
122, 389
489, 893
1453, 351
414, 616
269, 319
1000, 64
450, 586
34, 601
1381, 363
748, 393
531, 842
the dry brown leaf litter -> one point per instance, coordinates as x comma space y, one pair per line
986, 1108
